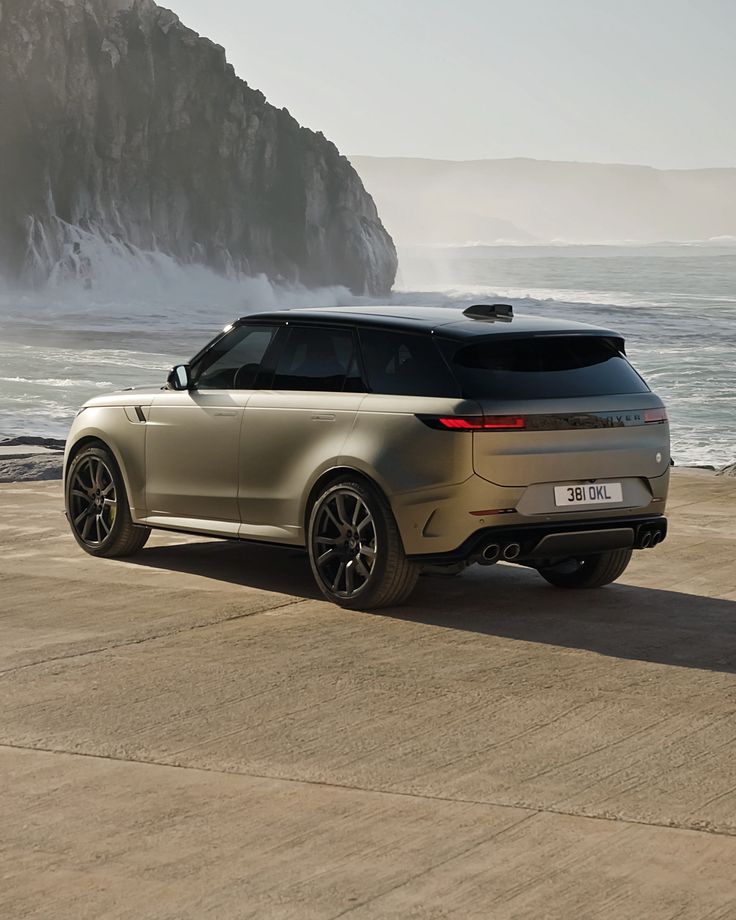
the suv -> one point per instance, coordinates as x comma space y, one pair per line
387, 441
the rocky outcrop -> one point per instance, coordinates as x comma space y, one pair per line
116, 118
29, 459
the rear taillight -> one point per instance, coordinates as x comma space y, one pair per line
652, 416
475, 422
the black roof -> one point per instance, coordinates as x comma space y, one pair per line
449, 322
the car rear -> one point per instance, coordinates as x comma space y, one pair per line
571, 442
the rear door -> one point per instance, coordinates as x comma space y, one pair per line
297, 426
561, 408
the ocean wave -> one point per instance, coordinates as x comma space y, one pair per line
141, 314
58, 382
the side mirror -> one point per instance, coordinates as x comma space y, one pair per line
180, 377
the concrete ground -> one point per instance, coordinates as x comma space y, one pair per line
193, 734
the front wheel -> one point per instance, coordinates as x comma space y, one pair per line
589, 571
355, 548
97, 506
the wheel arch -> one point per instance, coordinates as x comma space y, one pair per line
92, 440
339, 471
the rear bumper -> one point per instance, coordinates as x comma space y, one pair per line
553, 542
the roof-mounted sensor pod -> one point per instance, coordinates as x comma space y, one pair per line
490, 312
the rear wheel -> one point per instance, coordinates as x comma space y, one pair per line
589, 571
97, 506
355, 548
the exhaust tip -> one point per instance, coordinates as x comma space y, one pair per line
490, 553
656, 537
512, 551
645, 540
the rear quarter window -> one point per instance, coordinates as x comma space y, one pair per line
547, 367
405, 364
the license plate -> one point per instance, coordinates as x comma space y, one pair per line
607, 493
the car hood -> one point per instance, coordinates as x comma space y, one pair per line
131, 396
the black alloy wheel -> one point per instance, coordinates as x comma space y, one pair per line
97, 505
355, 548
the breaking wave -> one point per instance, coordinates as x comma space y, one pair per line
112, 316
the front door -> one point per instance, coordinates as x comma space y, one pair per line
192, 444
193, 438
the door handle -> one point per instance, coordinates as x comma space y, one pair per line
226, 412
323, 418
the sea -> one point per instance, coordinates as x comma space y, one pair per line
121, 317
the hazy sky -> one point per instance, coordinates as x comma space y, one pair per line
627, 81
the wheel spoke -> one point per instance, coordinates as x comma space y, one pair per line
350, 577
340, 573
342, 513
331, 516
80, 494
87, 527
362, 569
110, 503
327, 541
325, 557
108, 488
366, 520
79, 478
104, 525
80, 517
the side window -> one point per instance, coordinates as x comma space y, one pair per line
233, 363
402, 364
318, 358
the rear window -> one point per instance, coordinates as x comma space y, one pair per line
317, 358
402, 364
550, 367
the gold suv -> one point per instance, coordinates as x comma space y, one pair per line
386, 440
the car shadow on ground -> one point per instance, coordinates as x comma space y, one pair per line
266, 568
619, 621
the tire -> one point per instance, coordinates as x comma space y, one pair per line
355, 548
97, 506
591, 572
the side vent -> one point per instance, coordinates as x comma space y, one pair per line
491, 312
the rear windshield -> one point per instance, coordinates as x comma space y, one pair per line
550, 367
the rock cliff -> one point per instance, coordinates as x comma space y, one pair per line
116, 118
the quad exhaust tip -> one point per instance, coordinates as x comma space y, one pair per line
649, 538
490, 554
